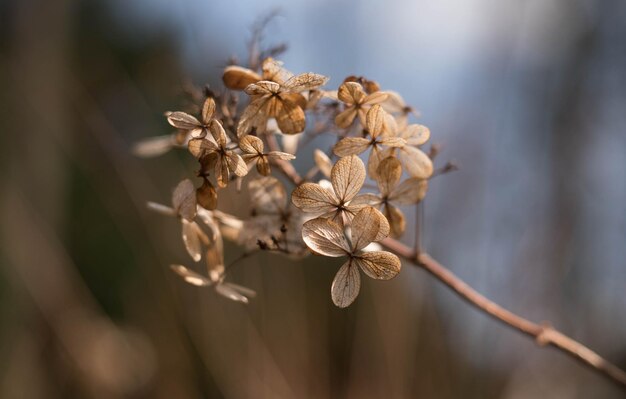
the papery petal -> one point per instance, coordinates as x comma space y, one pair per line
267, 195
347, 177
375, 98
208, 109
365, 227
184, 199
397, 222
238, 78
183, 120
410, 191
351, 146
325, 237
380, 265
311, 197
251, 144
236, 164
374, 120
388, 175
416, 135
190, 276
323, 162
289, 116
346, 285
351, 93
416, 162
305, 81
345, 118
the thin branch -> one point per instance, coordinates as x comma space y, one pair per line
543, 334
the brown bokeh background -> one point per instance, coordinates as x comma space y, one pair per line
528, 97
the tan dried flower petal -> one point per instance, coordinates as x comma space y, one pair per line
238, 78
218, 132
388, 175
273, 70
396, 219
416, 135
251, 144
193, 237
410, 191
206, 195
347, 177
375, 98
346, 285
190, 276
311, 197
345, 118
416, 162
325, 237
201, 147
254, 115
285, 156
351, 93
380, 265
365, 227
305, 81
289, 116
183, 120
229, 291
351, 146
184, 199
153, 146
236, 164
208, 110
264, 87
374, 120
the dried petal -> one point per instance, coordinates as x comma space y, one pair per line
347, 177
263, 166
192, 238
253, 116
380, 265
201, 147
153, 146
305, 81
289, 116
351, 93
388, 175
375, 98
325, 237
273, 70
374, 121
365, 227
311, 197
183, 120
281, 155
236, 164
184, 199
397, 222
238, 78
227, 291
410, 191
345, 118
190, 276
416, 135
346, 285
206, 195
416, 162
208, 109
251, 144
351, 146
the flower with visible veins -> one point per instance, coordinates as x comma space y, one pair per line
191, 124
378, 137
413, 159
328, 238
392, 192
252, 148
214, 154
357, 103
339, 202
279, 100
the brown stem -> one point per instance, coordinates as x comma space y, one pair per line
543, 334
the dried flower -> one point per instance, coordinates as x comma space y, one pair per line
228, 290
328, 238
216, 156
189, 123
281, 101
413, 159
340, 202
357, 103
392, 193
377, 137
252, 148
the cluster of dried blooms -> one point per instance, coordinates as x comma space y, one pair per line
332, 210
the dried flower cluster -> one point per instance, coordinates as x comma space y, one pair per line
339, 208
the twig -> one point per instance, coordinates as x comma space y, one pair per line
543, 334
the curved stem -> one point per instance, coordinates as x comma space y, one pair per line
543, 334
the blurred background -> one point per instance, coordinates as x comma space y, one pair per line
528, 97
